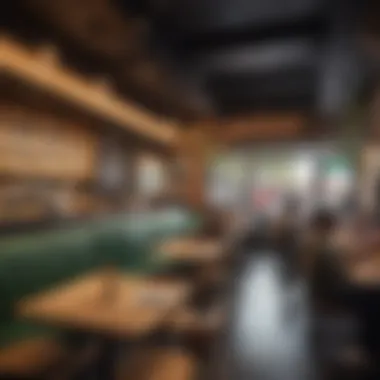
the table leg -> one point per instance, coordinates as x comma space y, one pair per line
81, 346
106, 367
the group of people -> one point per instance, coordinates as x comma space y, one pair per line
320, 251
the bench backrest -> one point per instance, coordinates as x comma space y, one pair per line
32, 262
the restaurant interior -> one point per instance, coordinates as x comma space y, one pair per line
189, 190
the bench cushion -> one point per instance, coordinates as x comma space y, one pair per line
36, 262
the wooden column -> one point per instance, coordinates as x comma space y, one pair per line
192, 156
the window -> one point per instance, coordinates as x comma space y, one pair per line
150, 175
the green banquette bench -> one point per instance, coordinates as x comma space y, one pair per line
32, 262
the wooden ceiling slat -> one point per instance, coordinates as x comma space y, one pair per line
17, 61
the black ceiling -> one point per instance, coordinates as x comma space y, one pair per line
207, 57
248, 55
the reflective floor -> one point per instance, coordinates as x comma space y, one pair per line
269, 335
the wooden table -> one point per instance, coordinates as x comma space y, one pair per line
140, 304
192, 250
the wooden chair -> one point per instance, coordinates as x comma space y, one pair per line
159, 364
44, 358
193, 321
30, 358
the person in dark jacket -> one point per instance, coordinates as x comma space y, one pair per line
319, 263
331, 292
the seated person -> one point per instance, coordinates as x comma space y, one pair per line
257, 236
330, 289
283, 231
318, 262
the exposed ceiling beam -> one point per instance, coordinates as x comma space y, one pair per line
261, 127
117, 43
35, 69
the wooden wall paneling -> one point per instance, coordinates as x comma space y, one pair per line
25, 200
42, 146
